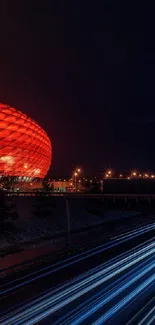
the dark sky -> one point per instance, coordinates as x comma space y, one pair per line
85, 71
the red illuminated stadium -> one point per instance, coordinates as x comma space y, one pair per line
25, 149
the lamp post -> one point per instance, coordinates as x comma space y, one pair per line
108, 173
75, 175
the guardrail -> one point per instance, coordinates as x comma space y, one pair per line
84, 195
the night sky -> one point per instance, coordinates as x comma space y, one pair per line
85, 71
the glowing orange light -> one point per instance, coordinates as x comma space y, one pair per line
37, 172
7, 159
79, 170
134, 173
75, 174
152, 176
23, 144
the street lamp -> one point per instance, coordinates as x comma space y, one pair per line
75, 175
108, 173
134, 173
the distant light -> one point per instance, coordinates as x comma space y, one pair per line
8, 159
91, 181
109, 172
25, 166
140, 175
152, 176
134, 173
120, 175
107, 175
146, 175
71, 184
64, 180
75, 174
37, 171
128, 177
79, 170
79, 181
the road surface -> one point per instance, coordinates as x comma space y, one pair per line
113, 283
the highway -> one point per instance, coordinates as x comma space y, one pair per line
113, 283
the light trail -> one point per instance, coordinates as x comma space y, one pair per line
15, 284
127, 299
149, 318
87, 283
146, 310
93, 304
82, 276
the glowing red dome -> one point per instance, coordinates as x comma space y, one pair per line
25, 149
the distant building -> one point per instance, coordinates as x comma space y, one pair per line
58, 186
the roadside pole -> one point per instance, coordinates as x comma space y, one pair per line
68, 222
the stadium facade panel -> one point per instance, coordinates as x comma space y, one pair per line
25, 148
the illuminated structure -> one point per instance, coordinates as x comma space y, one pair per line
25, 149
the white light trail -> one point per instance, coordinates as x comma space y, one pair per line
72, 291
15, 284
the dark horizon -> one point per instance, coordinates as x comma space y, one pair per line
85, 73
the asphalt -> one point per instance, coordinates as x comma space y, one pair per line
113, 296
